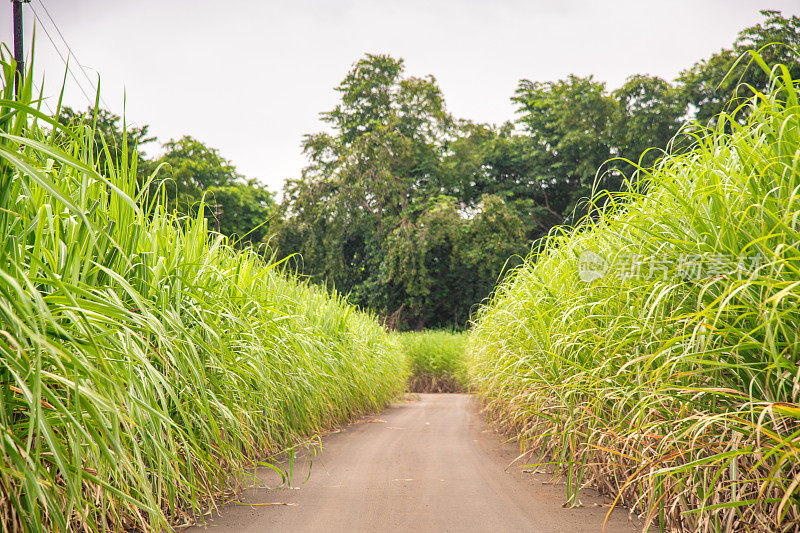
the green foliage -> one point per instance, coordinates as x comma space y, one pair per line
242, 211
579, 137
728, 76
568, 125
393, 209
191, 172
193, 168
676, 392
438, 361
370, 215
110, 135
649, 113
143, 359
416, 215
441, 264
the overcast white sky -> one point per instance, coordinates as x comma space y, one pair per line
250, 77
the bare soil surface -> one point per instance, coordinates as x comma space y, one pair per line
427, 465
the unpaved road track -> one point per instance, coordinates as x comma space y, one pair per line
427, 465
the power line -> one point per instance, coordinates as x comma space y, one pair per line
69, 48
42, 98
66, 63
60, 55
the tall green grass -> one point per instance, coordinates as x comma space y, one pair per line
677, 393
143, 360
437, 360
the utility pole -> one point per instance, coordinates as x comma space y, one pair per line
18, 45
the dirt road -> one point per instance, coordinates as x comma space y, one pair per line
426, 465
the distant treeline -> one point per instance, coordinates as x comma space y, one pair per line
416, 213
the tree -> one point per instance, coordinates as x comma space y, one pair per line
577, 135
649, 114
243, 211
709, 85
502, 162
385, 207
422, 267
540, 198
495, 242
440, 265
191, 169
113, 134
193, 172
569, 126
366, 176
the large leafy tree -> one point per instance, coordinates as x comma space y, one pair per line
367, 175
568, 127
421, 273
709, 85
415, 214
568, 123
190, 169
191, 172
502, 162
578, 139
245, 211
384, 209
649, 113
113, 138
440, 265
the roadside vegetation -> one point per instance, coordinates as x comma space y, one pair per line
416, 213
153, 347
143, 358
653, 351
437, 360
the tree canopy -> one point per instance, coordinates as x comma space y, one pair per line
415, 213
187, 172
728, 75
